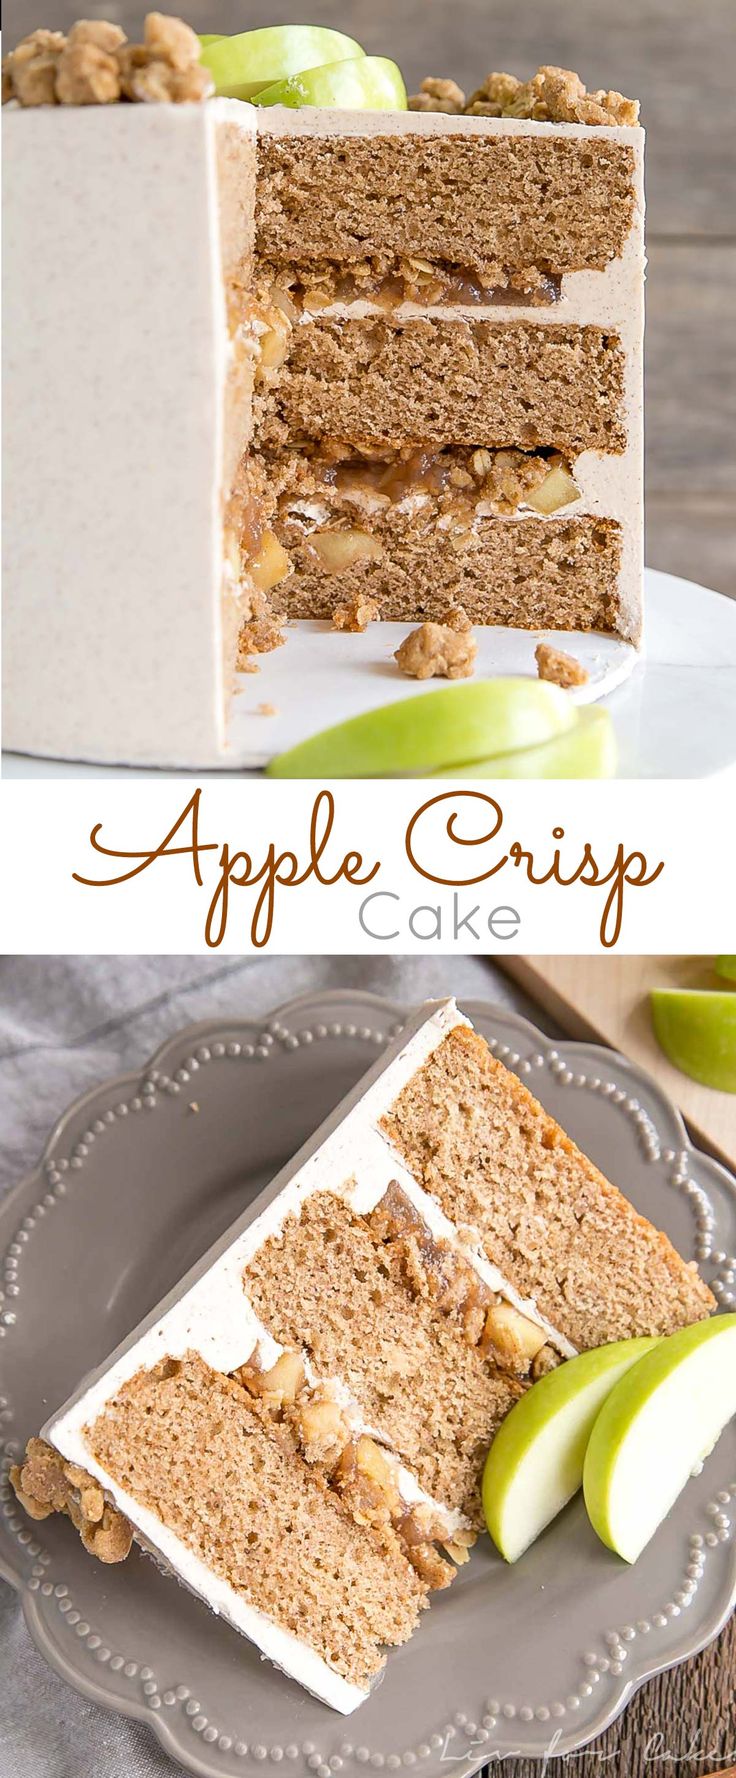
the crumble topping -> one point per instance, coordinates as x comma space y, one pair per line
553, 95
45, 1483
431, 1267
445, 650
359, 1469
261, 632
356, 614
96, 65
561, 669
502, 480
388, 280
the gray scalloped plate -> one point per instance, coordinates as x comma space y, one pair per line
137, 1179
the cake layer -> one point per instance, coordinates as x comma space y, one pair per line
515, 383
192, 1446
531, 573
355, 1292
471, 191
479, 1141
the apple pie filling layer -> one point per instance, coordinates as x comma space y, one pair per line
461, 479
433, 1358
368, 1477
389, 281
195, 1449
469, 194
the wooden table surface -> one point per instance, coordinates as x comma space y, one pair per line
679, 57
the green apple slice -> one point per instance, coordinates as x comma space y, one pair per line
367, 83
659, 1422
587, 750
241, 65
726, 967
206, 37
445, 727
535, 1463
696, 1028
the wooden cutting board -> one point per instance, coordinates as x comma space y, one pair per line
606, 999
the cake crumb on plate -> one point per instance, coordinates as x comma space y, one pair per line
559, 668
445, 650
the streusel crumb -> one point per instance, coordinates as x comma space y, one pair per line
262, 632
445, 650
553, 95
559, 668
356, 614
46, 1483
96, 65
438, 95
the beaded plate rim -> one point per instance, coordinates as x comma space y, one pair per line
526, 1051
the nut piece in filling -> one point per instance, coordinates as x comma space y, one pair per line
446, 650
558, 667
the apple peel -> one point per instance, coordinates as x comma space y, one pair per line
586, 750
696, 1028
662, 1419
241, 65
535, 1464
366, 83
415, 735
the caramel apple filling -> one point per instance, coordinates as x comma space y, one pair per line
502, 481
389, 282
363, 1472
433, 1268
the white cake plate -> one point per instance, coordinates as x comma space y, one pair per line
674, 707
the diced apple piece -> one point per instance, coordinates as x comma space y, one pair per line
273, 346
338, 550
558, 489
368, 83
696, 1028
515, 1336
417, 734
535, 1464
270, 565
586, 750
241, 65
662, 1419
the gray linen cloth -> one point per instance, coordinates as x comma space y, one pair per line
65, 1025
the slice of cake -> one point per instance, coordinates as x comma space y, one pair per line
294, 362
299, 1430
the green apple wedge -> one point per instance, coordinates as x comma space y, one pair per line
587, 750
661, 1420
241, 65
696, 1028
726, 968
435, 728
367, 83
535, 1464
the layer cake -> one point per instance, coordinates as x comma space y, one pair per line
299, 1430
291, 359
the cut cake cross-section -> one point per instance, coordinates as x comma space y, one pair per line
290, 359
299, 1429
